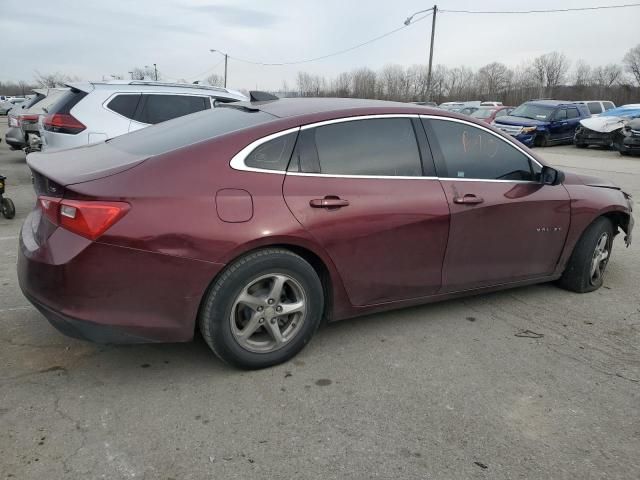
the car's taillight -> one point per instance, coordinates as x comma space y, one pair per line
62, 123
89, 218
14, 121
28, 118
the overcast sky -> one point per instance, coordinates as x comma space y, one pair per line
95, 39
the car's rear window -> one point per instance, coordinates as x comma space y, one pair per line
189, 129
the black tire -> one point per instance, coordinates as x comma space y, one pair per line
541, 141
580, 145
8, 208
577, 276
618, 142
216, 310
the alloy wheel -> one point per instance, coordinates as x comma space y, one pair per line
268, 313
600, 258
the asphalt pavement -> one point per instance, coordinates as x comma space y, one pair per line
445, 391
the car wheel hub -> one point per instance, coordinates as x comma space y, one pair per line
600, 258
268, 313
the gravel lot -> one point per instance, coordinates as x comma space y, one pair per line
444, 391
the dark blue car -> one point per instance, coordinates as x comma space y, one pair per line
539, 123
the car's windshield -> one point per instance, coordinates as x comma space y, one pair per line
483, 113
534, 112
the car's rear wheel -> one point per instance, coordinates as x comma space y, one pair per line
263, 309
586, 267
580, 145
8, 208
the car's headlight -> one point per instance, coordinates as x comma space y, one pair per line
528, 129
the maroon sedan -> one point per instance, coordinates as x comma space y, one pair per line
256, 221
489, 114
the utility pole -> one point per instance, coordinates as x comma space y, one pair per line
407, 22
433, 34
226, 58
155, 68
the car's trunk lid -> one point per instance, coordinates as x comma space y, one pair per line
83, 164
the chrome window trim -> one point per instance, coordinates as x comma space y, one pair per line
370, 177
237, 162
359, 117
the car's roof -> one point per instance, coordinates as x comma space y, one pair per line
551, 103
335, 107
153, 86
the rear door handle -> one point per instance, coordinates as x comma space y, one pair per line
468, 199
328, 202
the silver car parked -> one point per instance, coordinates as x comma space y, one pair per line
97, 111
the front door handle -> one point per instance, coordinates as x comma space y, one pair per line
328, 202
468, 199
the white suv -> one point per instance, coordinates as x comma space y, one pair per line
96, 111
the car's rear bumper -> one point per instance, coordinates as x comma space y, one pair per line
15, 138
111, 294
84, 329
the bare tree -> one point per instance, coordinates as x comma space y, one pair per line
549, 70
494, 79
582, 74
607, 75
342, 85
215, 80
364, 83
631, 61
50, 80
144, 73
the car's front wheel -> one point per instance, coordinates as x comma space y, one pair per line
263, 309
586, 267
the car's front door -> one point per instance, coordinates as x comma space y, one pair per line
357, 186
558, 125
505, 225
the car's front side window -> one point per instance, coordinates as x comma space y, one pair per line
378, 147
472, 153
560, 115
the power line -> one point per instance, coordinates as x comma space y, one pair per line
339, 52
555, 10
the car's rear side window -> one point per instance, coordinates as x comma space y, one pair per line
573, 113
594, 107
160, 108
274, 154
380, 147
472, 153
125, 104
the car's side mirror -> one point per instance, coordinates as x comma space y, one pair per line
551, 176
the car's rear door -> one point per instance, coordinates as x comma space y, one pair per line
505, 225
573, 120
358, 186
